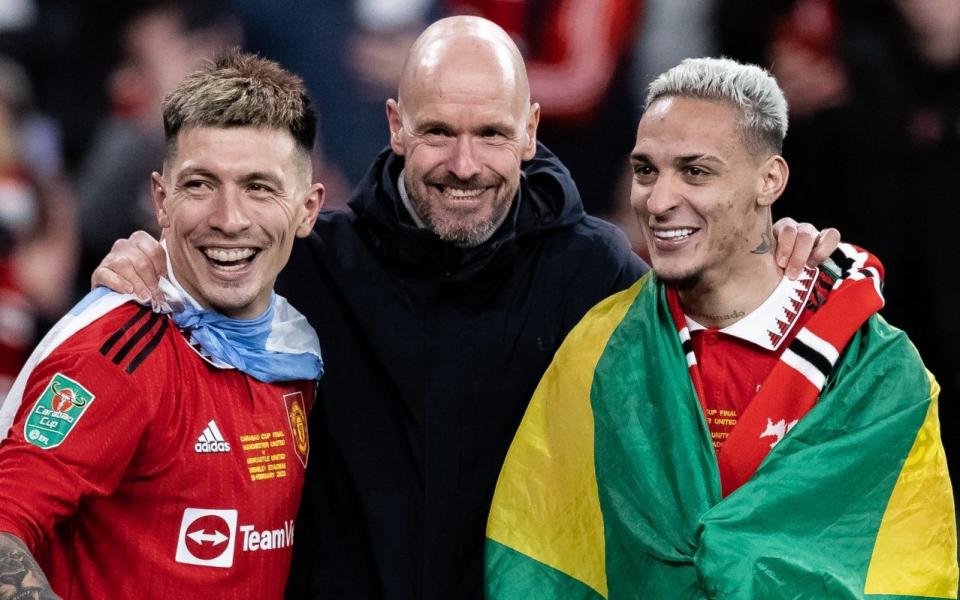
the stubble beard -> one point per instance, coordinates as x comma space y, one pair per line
462, 230
681, 283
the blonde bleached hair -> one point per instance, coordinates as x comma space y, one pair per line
239, 89
749, 88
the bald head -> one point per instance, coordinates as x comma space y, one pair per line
463, 123
456, 52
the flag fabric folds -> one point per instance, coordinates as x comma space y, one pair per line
611, 488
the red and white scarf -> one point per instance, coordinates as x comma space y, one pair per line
794, 384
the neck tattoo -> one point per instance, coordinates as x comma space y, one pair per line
764, 247
735, 314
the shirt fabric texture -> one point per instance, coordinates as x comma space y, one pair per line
177, 480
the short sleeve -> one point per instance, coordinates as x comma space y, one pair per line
74, 436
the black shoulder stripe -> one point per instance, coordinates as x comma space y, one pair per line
135, 338
113, 339
145, 352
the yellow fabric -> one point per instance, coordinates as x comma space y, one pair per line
908, 557
560, 524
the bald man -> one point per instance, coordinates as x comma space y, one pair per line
440, 300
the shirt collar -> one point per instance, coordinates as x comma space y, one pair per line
402, 188
771, 322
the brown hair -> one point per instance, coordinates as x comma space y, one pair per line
238, 89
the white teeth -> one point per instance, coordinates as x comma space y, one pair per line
671, 234
228, 255
462, 193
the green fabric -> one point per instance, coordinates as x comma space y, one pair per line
803, 527
532, 580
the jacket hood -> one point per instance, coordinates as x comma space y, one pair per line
547, 199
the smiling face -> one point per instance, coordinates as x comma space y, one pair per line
701, 197
231, 201
463, 126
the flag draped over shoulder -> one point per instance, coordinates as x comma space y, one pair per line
611, 488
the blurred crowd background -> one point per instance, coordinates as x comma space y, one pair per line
873, 87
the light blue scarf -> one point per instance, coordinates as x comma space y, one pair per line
278, 345
264, 348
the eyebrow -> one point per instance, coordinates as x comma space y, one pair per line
694, 158
499, 126
249, 177
432, 124
191, 171
262, 176
680, 160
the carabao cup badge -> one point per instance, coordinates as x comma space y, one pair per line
297, 415
56, 412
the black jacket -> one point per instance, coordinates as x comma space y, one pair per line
432, 352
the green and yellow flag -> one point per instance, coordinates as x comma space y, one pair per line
611, 487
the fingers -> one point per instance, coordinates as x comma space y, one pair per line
826, 243
133, 266
795, 242
785, 232
153, 251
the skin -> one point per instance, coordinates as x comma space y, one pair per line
134, 265
20, 576
223, 191
703, 200
226, 193
463, 122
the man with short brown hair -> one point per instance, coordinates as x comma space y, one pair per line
162, 455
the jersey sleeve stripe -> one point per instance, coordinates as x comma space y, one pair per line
151, 345
113, 339
135, 338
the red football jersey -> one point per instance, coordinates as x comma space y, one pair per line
734, 362
136, 469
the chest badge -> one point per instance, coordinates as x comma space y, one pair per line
297, 418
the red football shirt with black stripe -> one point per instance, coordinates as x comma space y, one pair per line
137, 469
734, 361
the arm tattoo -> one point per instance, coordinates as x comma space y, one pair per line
764, 247
20, 575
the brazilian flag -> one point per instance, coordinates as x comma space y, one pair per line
611, 488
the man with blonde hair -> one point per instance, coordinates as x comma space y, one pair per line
162, 455
718, 430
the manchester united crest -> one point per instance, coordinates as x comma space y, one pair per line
297, 417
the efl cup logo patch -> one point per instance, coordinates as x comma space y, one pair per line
297, 416
56, 412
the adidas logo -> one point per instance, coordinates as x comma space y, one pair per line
211, 440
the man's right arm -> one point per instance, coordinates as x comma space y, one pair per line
20, 575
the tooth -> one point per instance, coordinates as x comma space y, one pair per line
673, 233
463, 193
229, 254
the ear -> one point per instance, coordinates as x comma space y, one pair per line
311, 204
396, 126
533, 120
773, 180
159, 194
